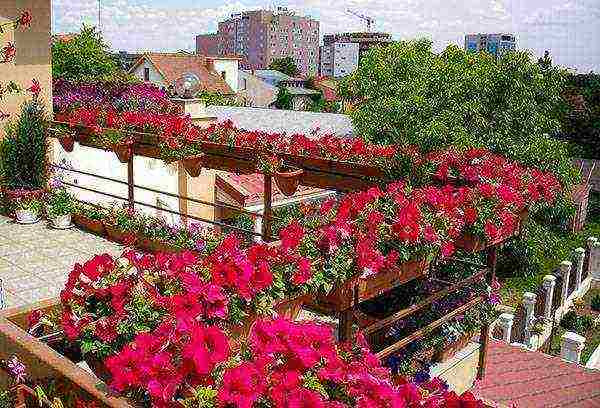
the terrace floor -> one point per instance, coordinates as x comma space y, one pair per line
35, 259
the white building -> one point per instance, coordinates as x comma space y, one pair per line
495, 44
339, 59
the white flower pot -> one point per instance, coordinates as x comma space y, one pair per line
27, 216
61, 222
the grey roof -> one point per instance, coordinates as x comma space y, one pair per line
294, 90
271, 76
283, 121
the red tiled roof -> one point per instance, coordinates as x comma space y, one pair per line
249, 188
531, 379
173, 66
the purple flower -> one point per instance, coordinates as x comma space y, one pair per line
17, 369
422, 376
200, 245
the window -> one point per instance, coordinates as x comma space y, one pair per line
223, 75
146, 74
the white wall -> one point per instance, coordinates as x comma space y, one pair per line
155, 77
147, 172
230, 67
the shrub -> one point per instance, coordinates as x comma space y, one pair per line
25, 150
569, 321
595, 303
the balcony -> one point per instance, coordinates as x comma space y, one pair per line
35, 260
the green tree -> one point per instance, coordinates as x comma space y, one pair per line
285, 65
84, 57
284, 99
409, 95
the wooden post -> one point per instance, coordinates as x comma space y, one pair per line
130, 183
268, 210
484, 339
345, 325
484, 335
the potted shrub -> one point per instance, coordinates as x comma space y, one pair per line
24, 162
26, 205
60, 207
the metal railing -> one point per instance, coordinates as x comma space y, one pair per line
132, 202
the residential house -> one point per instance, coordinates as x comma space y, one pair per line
259, 88
217, 74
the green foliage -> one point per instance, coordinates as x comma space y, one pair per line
284, 99
578, 324
25, 150
59, 202
409, 95
218, 99
581, 119
285, 65
595, 302
85, 57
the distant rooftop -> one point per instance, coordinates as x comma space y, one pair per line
283, 121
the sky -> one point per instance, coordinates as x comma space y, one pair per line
569, 29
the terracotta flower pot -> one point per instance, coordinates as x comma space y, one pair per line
288, 179
67, 143
94, 226
123, 152
193, 165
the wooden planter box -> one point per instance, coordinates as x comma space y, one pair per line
471, 243
87, 224
357, 290
44, 362
151, 245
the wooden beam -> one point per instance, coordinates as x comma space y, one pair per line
422, 332
484, 340
267, 207
416, 307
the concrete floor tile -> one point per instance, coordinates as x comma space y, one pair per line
19, 284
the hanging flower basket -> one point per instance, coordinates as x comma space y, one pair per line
67, 142
94, 226
193, 165
288, 180
123, 152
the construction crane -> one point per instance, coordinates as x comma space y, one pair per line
367, 19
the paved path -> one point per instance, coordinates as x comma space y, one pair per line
35, 260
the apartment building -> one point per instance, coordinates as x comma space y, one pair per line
260, 36
495, 44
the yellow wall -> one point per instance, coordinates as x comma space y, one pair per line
33, 59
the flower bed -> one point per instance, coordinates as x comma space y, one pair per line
165, 326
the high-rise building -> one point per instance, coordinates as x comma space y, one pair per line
341, 53
495, 44
207, 44
261, 36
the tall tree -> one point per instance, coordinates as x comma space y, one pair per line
84, 57
285, 65
409, 95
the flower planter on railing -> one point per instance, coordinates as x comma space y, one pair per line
357, 289
123, 151
193, 164
472, 243
288, 179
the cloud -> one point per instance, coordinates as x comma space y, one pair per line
569, 29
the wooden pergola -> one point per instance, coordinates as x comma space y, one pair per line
332, 175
